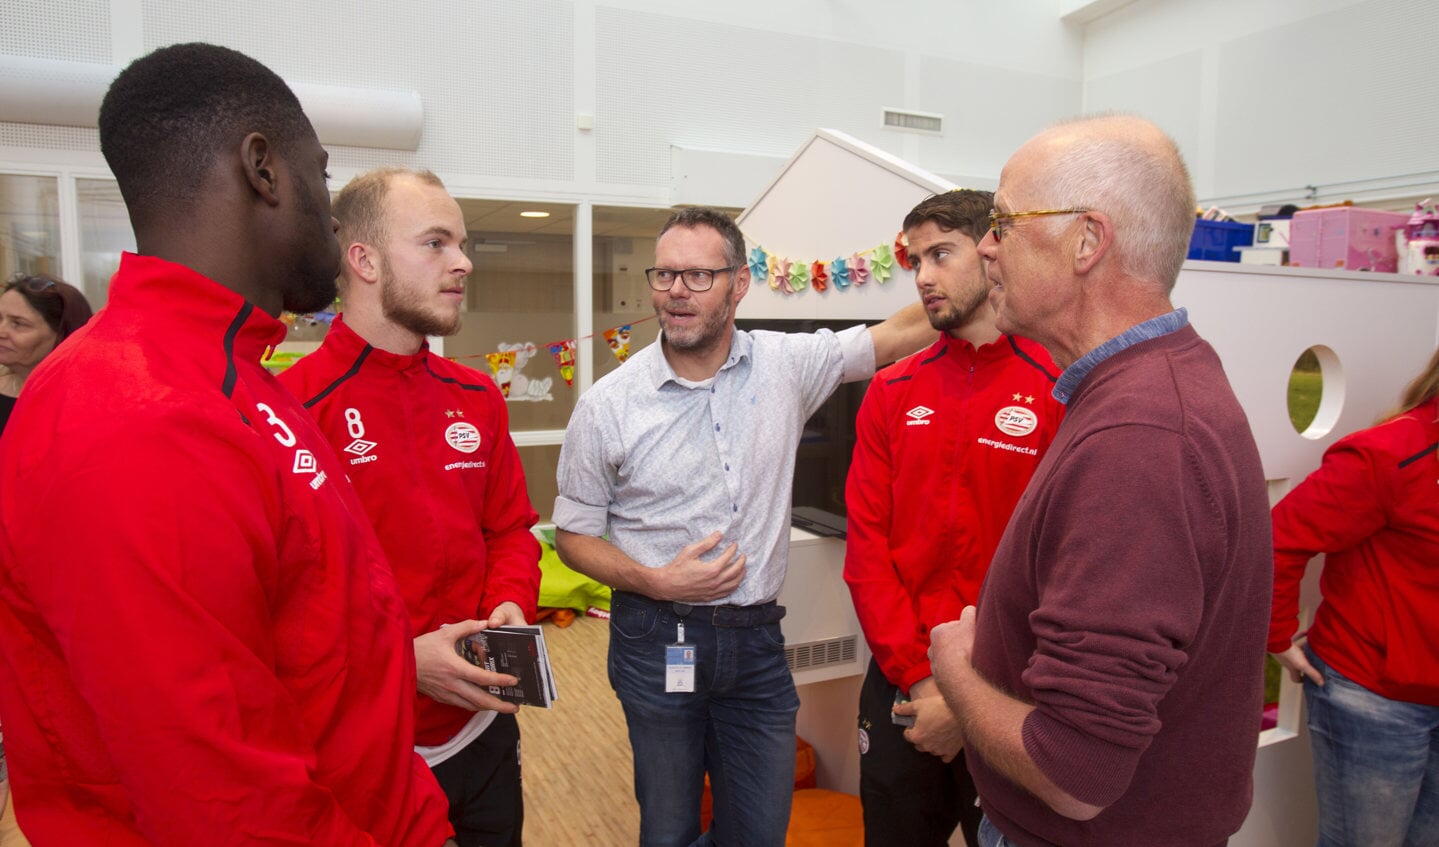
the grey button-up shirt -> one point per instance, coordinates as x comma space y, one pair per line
658, 462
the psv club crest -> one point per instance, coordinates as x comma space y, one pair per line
1016, 421
463, 436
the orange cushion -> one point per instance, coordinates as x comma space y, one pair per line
803, 778
821, 818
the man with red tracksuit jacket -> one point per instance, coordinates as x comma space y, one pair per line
200, 639
426, 443
947, 441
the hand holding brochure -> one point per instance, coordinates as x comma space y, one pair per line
518, 651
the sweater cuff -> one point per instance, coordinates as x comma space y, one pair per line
1084, 767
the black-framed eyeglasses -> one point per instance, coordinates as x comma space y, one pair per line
997, 218
695, 279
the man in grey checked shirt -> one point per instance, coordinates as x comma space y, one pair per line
687, 449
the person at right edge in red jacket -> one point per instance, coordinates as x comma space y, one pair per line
947, 441
1370, 666
201, 641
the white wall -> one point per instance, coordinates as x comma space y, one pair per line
502, 81
1266, 98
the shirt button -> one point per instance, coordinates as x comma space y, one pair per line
717, 429
712, 389
736, 507
726, 465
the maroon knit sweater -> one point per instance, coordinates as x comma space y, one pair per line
1129, 602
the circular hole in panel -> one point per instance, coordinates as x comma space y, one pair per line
1316, 392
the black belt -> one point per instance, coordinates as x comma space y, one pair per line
729, 617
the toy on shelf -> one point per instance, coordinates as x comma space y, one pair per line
1418, 241
1345, 237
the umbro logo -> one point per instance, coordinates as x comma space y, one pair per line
360, 447
918, 416
304, 461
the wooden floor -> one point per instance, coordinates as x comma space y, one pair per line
579, 778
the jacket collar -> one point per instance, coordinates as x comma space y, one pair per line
189, 302
348, 345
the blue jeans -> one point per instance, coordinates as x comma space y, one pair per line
990, 836
738, 724
1376, 764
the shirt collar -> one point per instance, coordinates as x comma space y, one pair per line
1153, 328
741, 345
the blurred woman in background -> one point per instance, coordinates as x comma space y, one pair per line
1370, 666
37, 312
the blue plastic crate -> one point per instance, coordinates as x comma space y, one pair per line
1214, 241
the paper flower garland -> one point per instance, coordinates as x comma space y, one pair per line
882, 265
790, 277
758, 264
817, 277
799, 277
859, 269
779, 274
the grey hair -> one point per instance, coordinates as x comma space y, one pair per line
1144, 188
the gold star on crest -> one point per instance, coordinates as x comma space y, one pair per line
1029, 398
449, 414
1016, 398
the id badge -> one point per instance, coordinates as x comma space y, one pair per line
680, 668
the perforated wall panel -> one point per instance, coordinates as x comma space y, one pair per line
1342, 96
496, 78
662, 81
49, 137
76, 31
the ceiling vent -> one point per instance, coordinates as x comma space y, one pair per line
916, 121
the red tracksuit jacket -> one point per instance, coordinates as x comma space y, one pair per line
202, 642
947, 441
427, 444
1373, 508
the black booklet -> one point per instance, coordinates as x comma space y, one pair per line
520, 652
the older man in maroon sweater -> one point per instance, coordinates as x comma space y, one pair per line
1109, 687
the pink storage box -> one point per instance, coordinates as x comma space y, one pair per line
1345, 237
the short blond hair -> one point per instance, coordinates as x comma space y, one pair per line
360, 206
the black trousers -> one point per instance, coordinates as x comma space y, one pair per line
482, 781
909, 797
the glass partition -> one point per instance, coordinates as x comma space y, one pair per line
624, 245
520, 298
29, 225
104, 233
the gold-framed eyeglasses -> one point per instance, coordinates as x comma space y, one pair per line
695, 279
997, 218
